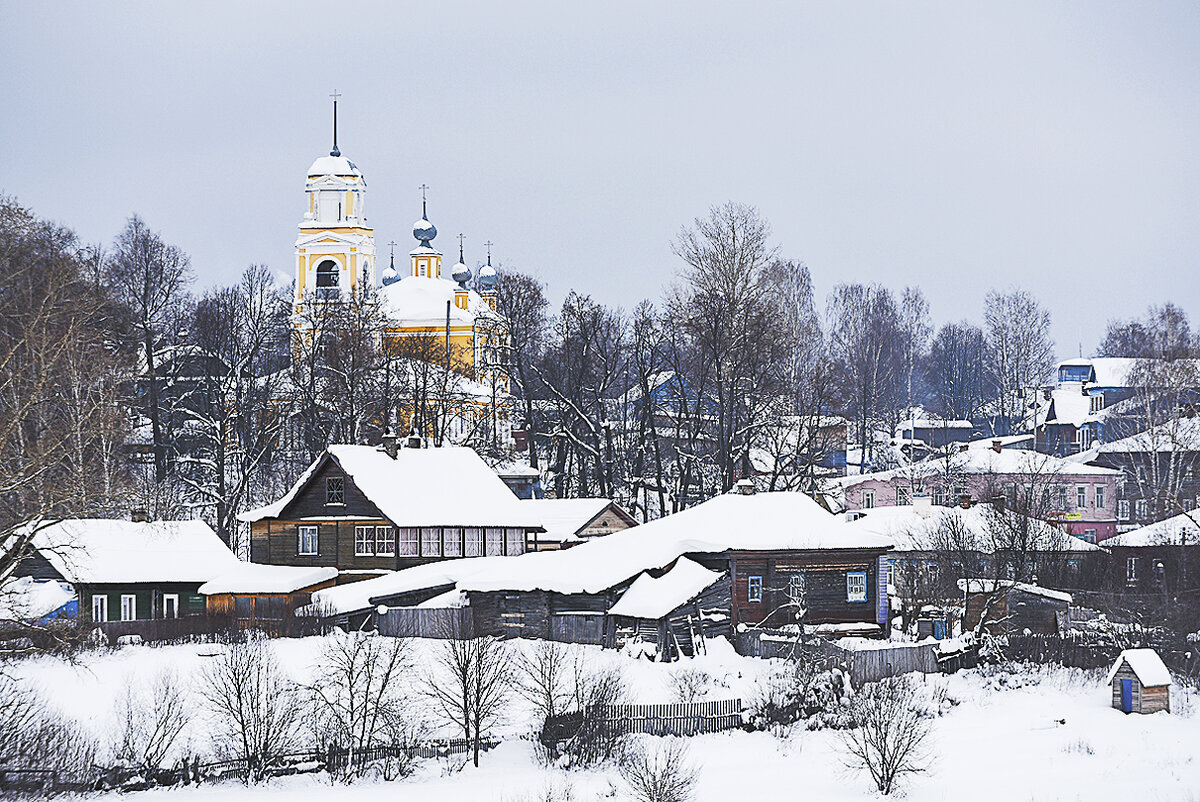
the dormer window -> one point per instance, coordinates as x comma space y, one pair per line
335, 490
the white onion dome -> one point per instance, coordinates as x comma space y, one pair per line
424, 230
333, 165
462, 273
487, 277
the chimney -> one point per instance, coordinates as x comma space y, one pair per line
745, 487
964, 501
139, 515
923, 505
997, 446
414, 440
390, 444
962, 448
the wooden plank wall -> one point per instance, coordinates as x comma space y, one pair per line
416, 622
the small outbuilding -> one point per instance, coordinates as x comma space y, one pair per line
254, 595
1140, 682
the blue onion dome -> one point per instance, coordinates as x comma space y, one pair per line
487, 277
424, 230
462, 273
390, 276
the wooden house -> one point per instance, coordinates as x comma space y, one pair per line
1140, 682
367, 510
570, 521
127, 571
1014, 606
263, 595
1161, 558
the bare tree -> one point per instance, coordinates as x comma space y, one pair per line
1019, 344
658, 770
521, 301
257, 709
358, 696
544, 677
151, 718
469, 685
957, 370
890, 732
915, 328
151, 279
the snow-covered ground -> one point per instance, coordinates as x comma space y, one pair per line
1042, 734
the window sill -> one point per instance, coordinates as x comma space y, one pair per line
335, 504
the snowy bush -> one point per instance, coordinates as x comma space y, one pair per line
799, 691
596, 739
690, 684
658, 770
37, 737
891, 724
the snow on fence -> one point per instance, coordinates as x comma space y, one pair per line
434, 622
863, 665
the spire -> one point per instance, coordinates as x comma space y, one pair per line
392, 245
461, 237
488, 245
423, 230
423, 187
335, 95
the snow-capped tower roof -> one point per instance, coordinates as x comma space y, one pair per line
334, 165
390, 276
424, 230
487, 274
461, 273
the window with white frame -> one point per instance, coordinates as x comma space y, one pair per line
170, 605
753, 589
473, 541
99, 608
1099, 490
1081, 497
431, 542
937, 496
1062, 498
1096, 402
1010, 493
1089, 535
903, 495
364, 541
514, 541
1123, 509
891, 572
1160, 573
409, 543
494, 541
452, 542
385, 541
856, 586
1131, 570
128, 607
1141, 509
868, 499
335, 490
306, 539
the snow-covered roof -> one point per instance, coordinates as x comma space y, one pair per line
256, 578
1006, 441
910, 530
447, 486
417, 300
1146, 664
1177, 434
731, 522
654, 597
1019, 462
1069, 407
931, 423
989, 586
25, 598
1179, 530
357, 596
563, 518
333, 165
104, 551
515, 469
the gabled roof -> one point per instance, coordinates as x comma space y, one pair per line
974, 461
103, 551
448, 486
1180, 530
1177, 434
654, 597
989, 586
565, 518
761, 522
1146, 664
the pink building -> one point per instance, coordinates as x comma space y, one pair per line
1080, 499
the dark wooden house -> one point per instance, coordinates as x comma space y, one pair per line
368, 510
1014, 607
1140, 682
252, 595
1161, 558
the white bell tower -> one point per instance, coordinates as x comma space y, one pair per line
335, 250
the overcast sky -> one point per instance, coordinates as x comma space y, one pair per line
958, 147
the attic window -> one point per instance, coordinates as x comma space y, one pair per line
335, 490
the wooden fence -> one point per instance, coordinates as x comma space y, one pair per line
863, 665
188, 772
692, 718
419, 622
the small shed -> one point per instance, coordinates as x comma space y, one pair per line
1140, 682
252, 594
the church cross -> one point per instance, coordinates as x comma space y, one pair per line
488, 245
335, 95
423, 187
461, 237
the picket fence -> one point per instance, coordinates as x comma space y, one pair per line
684, 718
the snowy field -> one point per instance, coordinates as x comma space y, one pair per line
1044, 734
